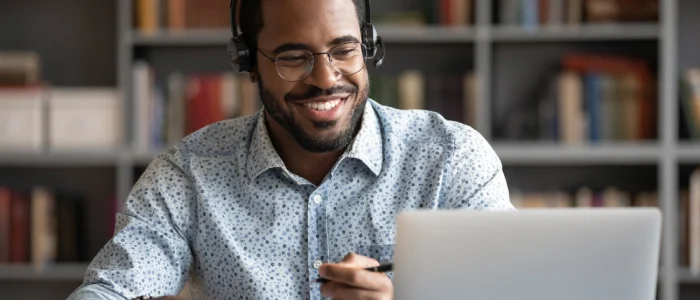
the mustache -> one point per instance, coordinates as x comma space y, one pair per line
314, 92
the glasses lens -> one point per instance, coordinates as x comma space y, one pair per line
294, 65
348, 58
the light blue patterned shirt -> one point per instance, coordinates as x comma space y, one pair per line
221, 210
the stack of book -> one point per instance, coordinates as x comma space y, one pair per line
536, 13
592, 98
42, 227
22, 99
46, 117
448, 13
176, 105
585, 197
151, 16
453, 95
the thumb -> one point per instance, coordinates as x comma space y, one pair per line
359, 261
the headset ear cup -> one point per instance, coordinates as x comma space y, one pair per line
369, 39
239, 56
232, 56
374, 42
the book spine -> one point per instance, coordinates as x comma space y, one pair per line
694, 206
19, 233
5, 208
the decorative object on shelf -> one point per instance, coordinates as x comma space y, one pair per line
84, 119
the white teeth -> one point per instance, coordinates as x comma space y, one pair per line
323, 106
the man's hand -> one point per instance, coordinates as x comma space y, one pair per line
348, 280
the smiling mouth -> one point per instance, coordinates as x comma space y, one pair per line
324, 105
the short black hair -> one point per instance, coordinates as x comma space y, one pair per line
251, 23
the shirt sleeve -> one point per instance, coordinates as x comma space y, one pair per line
476, 175
149, 254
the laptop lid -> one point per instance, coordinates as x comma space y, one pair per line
549, 254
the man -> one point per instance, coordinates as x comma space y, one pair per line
259, 207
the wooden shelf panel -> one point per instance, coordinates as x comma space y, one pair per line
594, 32
689, 153
59, 272
552, 154
69, 159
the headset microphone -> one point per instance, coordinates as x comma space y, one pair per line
240, 56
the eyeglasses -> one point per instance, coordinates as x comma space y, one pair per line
296, 65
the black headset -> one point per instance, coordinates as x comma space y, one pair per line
239, 53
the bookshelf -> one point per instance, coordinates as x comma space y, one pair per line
507, 60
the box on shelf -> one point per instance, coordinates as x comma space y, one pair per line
84, 119
21, 119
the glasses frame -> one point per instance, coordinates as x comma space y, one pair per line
313, 61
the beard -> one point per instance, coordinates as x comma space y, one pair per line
317, 144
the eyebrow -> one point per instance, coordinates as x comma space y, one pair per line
300, 46
343, 39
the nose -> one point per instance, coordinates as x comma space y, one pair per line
323, 75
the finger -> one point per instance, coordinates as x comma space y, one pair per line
359, 261
338, 291
355, 277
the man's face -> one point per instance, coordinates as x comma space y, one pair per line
323, 111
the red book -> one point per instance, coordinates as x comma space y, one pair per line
203, 101
5, 201
19, 233
544, 11
446, 12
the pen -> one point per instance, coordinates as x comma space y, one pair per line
388, 267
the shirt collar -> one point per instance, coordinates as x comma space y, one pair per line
366, 147
368, 144
262, 156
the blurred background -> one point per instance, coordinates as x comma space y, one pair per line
589, 103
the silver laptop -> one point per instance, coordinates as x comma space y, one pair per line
552, 254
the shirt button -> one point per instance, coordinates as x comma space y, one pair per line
318, 199
317, 264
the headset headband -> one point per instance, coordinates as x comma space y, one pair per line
241, 59
234, 24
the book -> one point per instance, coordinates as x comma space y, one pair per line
44, 242
694, 225
19, 228
5, 213
690, 101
